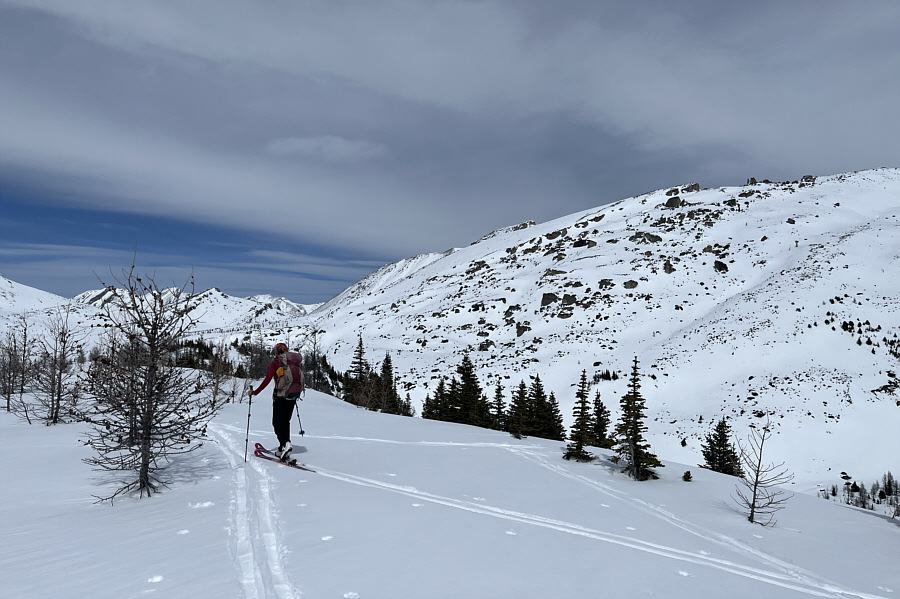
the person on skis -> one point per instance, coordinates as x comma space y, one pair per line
287, 370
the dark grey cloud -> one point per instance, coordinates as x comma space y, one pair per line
400, 127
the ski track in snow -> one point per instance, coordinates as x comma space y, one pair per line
812, 584
771, 571
424, 443
256, 541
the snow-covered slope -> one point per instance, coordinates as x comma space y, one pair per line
16, 299
38, 308
733, 299
770, 299
405, 508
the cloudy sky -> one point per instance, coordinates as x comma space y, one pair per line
292, 147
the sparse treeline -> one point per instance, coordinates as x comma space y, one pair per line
884, 492
149, 387
47, 366
528, 411
45, 360
376, 390
249, 359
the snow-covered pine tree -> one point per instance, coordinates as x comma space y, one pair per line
581, 434
632, 446
719, 452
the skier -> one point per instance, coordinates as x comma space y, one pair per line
286, 369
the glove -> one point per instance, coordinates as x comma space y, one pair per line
250, 393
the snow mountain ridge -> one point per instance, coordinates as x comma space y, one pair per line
775, 300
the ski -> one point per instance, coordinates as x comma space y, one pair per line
268, 454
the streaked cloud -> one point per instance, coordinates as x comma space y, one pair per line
394, 128
329, 148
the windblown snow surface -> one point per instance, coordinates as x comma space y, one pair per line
405, 508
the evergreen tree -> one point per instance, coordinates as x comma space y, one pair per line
258, 356
317, 373
719, 452
435, 408
556, 429
632, 446
428, 408
600, 423
581, 434
517, 419
473, 405
406, 407
359, 368
538, 409
543, 417
498, 409
387, 396
454, 409
358, 383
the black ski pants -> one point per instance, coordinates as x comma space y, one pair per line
282, 411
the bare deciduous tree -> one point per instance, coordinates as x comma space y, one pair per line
16, 350
10, 367
146, 410
316, 377
758, 495
219, 376
56, 376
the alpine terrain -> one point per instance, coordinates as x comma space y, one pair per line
772, 302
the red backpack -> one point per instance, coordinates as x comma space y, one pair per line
289, 381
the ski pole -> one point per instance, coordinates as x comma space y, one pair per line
247, 440
300, 424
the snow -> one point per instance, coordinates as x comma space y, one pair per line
403, 507
406, 508
16, 298
736, 344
